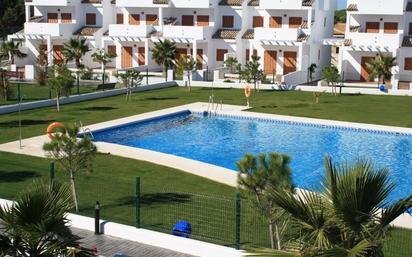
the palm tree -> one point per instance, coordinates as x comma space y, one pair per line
345, 218
332, 77
231, 63
72, 154
103, 58
256, 178
74, 50
10, 50
252, 71
35, 225
186, 63
311, 70
129, 78
381, 67
164, 53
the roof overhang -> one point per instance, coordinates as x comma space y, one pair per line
365, 48
270, 42
333, 41
126, 39
175, 40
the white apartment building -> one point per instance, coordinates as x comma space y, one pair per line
375, 26
287, 34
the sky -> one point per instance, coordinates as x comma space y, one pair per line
341, 4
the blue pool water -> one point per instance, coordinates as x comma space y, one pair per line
224, 140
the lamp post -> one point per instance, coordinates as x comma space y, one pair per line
20, 99
97, 218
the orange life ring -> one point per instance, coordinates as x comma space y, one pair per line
51, 129
248, 92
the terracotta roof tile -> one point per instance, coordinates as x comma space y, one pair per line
339, 29
347, 42
307, 2
354, 28
87, 31
254, 3
226, 34
353, 8
231, 2
303, 37
249, 34
91, 1
160, 1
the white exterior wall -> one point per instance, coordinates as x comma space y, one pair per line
135, 35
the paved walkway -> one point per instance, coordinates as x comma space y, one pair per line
108, 246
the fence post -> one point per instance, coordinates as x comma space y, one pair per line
51, 172
147, 76
138, 202
237, 224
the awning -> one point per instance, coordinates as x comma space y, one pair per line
333, 41
279, 42
126, 39
174, 40
365, 48
28, 36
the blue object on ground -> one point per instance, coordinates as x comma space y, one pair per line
121, 255
182, 229
382, 87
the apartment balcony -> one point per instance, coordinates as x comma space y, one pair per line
285, 4
382, 7
122, 30
52, 29
187, 32
142, 3
52, 2
388, 42
277, 34
191, 3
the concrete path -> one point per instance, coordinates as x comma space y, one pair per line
108, 246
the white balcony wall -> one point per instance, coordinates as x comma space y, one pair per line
379, 6
54, 2
275, 34
375, 39
281, 4
129, 30
191, 3
188, 32
134, 3
53, 29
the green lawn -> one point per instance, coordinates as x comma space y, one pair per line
385, 110
36, 92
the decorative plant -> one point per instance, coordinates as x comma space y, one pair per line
346, 217
61, 81
231, 64
252, 72
129, 78
186, 64
332, 77
10, 50
381, 67
75, 49
312, 69
73, 154
256, 179
5, 91
164, 53
102, 57
41, 64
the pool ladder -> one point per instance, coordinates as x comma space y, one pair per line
213, 107
86, 130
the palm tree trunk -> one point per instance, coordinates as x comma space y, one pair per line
277, 236
73, 185
104, 72
272, 235
58, 101
78, 83
188, 79
165, 71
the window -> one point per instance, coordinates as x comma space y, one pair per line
220, 54
295, 22
119, 18
275, 22
202, 20
408, 64
227, 21
52, 18
248, 54
257, 21
390, 27
410, 29
90, 19
188, 20
372, 27
111, 49
151, 19
134, 19
66, 17
337, 50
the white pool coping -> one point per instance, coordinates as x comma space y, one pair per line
33, 146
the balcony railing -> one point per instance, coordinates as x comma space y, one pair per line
52, 29
140, 3
276, 34
394, 7
375, 39
190, 3
130, 30
282, 4
192, 32
53, 2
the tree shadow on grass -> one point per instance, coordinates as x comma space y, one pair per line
145, 200
15, 123
17, 176
99, 108
155, 98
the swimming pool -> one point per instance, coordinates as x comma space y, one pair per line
222, 140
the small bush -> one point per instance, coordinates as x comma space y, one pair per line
86, 74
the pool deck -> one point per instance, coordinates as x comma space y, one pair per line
33, 146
